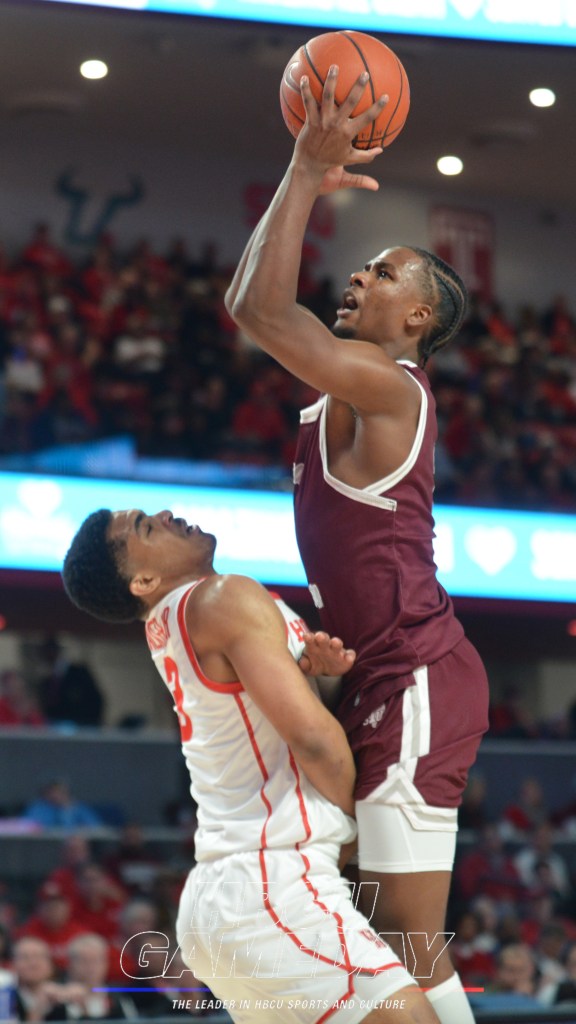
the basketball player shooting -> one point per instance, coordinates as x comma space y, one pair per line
265, 918
414, 705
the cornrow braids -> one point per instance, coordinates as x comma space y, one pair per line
92, 576
450, 301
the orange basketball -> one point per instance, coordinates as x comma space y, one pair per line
353, 52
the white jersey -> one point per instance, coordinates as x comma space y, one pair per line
249, 790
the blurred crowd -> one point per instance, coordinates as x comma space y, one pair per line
514, 898
97, 941
54, 689
140, 343
506, 397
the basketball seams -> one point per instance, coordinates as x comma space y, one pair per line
293, 112
349, 37
312, 65
400, 94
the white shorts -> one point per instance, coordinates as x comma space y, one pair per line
401, 839
275, 936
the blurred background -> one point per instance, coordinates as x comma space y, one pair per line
125, 202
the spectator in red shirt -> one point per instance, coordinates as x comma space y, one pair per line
75, 853
18, 706
53, 923
489, 871
528, 811
43, 255
510, 718
133, 865
99, 901
259, 424
474, 962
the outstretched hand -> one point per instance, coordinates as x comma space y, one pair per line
326, 142
325, 655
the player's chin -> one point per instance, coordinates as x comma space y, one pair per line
342, 330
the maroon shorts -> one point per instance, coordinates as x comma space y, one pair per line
426, 736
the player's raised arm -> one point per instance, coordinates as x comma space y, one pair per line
263, 296
235, 619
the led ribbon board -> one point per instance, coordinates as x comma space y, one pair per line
520, 21
479, 552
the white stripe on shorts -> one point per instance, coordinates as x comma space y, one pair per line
415, 722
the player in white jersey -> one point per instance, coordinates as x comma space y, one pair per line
265, 919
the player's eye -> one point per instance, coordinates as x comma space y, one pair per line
384, 273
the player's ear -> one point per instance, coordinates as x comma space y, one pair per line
144, 585
420, 315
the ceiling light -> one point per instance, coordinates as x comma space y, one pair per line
449, 165
94, 69
542, 97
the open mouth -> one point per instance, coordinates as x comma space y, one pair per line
349, 304
182, 525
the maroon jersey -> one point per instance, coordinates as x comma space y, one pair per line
370, 564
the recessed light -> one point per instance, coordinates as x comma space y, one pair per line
542, 97
94, 69
449, 165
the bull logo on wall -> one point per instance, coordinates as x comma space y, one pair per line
76, 230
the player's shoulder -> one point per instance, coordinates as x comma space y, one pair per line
223, 606
220, 594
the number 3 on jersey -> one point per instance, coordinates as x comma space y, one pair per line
173, 680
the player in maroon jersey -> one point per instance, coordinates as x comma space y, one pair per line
414, 705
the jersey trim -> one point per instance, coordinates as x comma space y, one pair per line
235, 686
363, 495
398, 474
311, 413
372, 493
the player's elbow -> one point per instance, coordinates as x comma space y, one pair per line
244, 309
312, 744
230, 299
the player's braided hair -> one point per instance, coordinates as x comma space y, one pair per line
449, 298
92, 575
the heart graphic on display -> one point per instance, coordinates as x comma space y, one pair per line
490, 547
40, 498
468, 8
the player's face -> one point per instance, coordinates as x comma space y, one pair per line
381, 299
160, 545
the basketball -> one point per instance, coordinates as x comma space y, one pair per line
353, 52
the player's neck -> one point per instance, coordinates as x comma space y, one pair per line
167, 585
